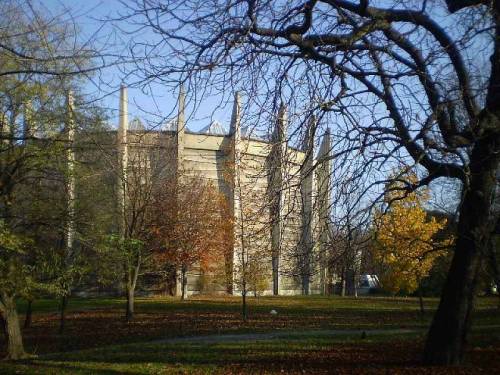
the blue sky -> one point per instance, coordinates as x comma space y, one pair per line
146, 105
149, 107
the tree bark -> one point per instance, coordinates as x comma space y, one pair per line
447, 336
421, 302
305, 284
62, 316
15, 347
29, 314
131, 284
355, 281
3, 325
129, 308
342, 283
244, 305
183, 283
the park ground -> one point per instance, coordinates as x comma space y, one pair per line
207, 335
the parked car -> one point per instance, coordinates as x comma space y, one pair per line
367, 283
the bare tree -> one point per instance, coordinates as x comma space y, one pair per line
403, 84
144, 167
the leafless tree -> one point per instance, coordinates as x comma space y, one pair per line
409, 83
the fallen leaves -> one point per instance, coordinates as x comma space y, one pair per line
91, 327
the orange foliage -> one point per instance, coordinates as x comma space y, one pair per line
405, 239
191, 224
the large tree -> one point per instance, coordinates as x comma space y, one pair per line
410, 82
40, 61
191, 227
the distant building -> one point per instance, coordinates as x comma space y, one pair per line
284, 192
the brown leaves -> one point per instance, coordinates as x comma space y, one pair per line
191, 223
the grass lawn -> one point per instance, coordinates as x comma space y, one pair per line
98, 340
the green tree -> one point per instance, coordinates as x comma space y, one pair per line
24, 271
39, 64
125, 257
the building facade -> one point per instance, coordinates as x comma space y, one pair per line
279, 195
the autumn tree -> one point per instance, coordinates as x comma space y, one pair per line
405, 243
191, 226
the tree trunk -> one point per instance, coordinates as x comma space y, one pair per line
168, 288
131, 283
421, 302
29, 314
447, 335
355, 282
183, 283
305, 285
129, 308
244, 305
342, 283
3, 325
62, 316
15, 347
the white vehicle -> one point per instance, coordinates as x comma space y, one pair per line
494, 289
367, 282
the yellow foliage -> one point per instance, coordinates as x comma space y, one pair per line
405, 244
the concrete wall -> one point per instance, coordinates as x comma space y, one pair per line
265, 185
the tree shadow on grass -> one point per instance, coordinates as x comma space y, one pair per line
322, 355
263, 355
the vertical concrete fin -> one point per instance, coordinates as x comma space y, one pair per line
280, 129
235, 152
123, 123
181, 126
324, 171
276, 166
123, 157
179, 160
70, 178
306, 192
236, 115
325, 148
234, 181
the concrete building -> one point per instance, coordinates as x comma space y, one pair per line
279, 195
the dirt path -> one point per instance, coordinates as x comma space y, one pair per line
244, 337
250, 337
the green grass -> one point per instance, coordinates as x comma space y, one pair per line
333, 312
97, 340
297, 303
310, 353
186, 357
